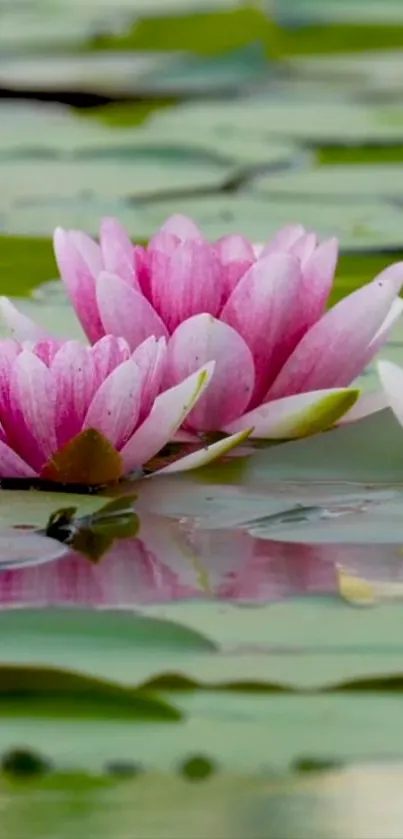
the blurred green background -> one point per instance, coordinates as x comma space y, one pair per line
245, 115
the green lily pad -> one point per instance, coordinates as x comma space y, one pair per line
335, 184
229, 730
33, 507
378, 73
130, 74
357, 11
70, 639
317, 122
360, 226
105, 178
106, 74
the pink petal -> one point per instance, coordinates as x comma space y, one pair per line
89, 250
378, 341
318, 274
77, 262
118, 251
165, 243
283, 239
296, 416
47, 349
236, 255
12, 465
29, 421
9, 350
186, 283
367, 404
75, 382
198, 340
234, 248
182, 436
206, 455
169, 411
125, 312
142, 263
107, 354
182, 227
264, 309
391, 376
326, 355
115, 407
21, 327
304, 247
151, 358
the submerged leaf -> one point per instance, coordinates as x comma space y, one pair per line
87, 459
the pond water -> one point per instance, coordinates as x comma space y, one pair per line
241, 624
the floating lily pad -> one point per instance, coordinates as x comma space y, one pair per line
123, 75
360, 226
336, 183
106, 74
24, 181
229, 730
353, 11
313, 122
375, 74
33, 507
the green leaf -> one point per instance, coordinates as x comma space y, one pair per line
335, 184
88, 459
368, 451
119, 646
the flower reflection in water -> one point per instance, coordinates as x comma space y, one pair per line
172, 561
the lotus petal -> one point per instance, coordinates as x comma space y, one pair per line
78, 263
20, 326
169, 411
325, 355
115, 407
264, 309
206, 455
117, 251
186, 283
296, 416
125, 312
201, 339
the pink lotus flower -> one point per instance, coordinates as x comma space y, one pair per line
283, 364
82, 414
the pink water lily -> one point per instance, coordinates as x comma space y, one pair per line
64, 405
283, 364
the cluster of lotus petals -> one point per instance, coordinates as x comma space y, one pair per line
198, 343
